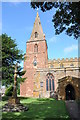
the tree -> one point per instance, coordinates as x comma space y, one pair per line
66, 18
10, 55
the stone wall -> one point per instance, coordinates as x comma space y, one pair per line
72, 62
27, 88
58, 73
35, 74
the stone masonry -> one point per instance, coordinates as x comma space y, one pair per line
38, 66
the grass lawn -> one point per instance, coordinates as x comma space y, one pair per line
39, 109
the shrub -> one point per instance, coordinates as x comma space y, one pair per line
9, 91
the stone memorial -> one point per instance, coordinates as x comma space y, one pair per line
14, 104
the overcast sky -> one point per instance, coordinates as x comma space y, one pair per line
17, 21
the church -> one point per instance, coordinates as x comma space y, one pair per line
44, 76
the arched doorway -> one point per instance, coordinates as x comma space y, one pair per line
70, 92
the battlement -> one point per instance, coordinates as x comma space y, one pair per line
65, 60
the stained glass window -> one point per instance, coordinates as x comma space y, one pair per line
49, 82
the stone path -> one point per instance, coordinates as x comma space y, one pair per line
73, 109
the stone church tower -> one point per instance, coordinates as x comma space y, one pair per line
36, 57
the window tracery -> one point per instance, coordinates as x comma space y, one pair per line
49, 82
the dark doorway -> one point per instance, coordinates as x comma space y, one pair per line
70, 92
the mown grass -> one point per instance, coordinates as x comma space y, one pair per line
39, 109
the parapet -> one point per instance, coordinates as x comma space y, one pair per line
64, 60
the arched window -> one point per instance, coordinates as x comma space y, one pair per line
49, 82
36, 34
35, 48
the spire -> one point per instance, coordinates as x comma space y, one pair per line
37, 32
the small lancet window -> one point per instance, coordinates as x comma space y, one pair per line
36, 34
35, 48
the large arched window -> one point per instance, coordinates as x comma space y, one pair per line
49, 82
35, 48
